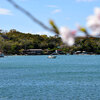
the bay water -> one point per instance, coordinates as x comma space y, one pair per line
73, 77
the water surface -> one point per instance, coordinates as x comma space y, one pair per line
74, 77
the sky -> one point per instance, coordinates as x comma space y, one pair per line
64, 13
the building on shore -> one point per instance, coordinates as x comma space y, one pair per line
47, 52
84, 53
58, 52
33, 52
42, 52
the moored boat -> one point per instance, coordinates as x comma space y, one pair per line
52, 56
1, 54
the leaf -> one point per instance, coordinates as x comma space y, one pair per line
82, 29
54, 26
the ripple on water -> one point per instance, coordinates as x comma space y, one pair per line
39, 78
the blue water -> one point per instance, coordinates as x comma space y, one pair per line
73, 77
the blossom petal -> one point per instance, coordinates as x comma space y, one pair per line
67, 36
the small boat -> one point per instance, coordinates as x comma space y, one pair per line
52, 56
1, 55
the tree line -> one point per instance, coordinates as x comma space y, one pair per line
15, 42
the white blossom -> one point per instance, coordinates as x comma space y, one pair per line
93, 22
67, 36
97, 12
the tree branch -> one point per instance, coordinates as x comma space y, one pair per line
30, 15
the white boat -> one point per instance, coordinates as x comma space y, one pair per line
52, 56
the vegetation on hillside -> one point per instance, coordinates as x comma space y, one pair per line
15, 42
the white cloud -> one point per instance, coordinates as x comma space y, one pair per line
85, 0
4, 11
52, 6
56, 11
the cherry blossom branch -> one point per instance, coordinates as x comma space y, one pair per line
54, 27
30, 15
67, 35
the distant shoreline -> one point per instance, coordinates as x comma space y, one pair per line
58, 55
